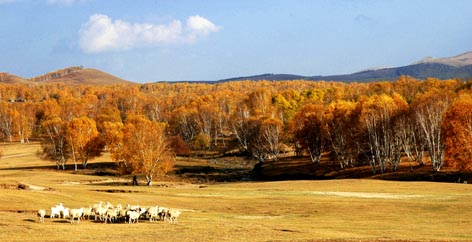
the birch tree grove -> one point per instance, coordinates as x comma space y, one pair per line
383, 142
429, 110
352, 124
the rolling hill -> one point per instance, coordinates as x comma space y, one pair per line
76, 75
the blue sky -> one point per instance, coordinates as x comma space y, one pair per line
165, 40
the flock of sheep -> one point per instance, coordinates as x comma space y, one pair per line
106, 212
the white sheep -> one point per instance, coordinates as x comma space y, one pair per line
101, 212
133, 216
55, 211
172, 215
153, 213
87, 212
111, 215
41, 215
66, 213
76, 213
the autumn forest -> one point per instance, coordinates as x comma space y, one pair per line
145, 126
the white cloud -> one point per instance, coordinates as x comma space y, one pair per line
101, 33
200, 27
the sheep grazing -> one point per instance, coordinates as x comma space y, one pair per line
87, 212
41, 215
172, 215
76, 213
133, 216
111, 215
66, 213
153, 213
105, 212
55, 211
101, 212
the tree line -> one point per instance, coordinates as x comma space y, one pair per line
144, 126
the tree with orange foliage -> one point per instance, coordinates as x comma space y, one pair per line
343, 132
457, 129
144, 148
309, 127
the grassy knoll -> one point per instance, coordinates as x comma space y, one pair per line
251, 211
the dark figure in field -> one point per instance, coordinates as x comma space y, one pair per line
135, 180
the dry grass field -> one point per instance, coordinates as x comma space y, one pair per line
331, 210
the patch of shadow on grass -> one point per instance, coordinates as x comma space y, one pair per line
30, 220
117, 191
61, 221
287, 230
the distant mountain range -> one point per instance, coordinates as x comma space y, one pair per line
459, 66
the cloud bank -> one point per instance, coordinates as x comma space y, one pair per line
101, 33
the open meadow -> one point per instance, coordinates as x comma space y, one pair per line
329, 210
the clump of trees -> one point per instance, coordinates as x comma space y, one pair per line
143, 126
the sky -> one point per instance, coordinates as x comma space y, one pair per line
183, 40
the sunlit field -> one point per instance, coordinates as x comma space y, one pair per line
357, 210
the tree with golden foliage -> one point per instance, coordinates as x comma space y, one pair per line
457, 129
144, 147
84, 140
343, 132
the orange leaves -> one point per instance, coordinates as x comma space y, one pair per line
142, 145
457, 128
84, 140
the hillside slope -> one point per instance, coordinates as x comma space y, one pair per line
75, 75
461, 60
90, 76
79, 75
11, 79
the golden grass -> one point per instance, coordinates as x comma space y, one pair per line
357, 210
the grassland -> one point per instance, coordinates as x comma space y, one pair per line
332, 210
